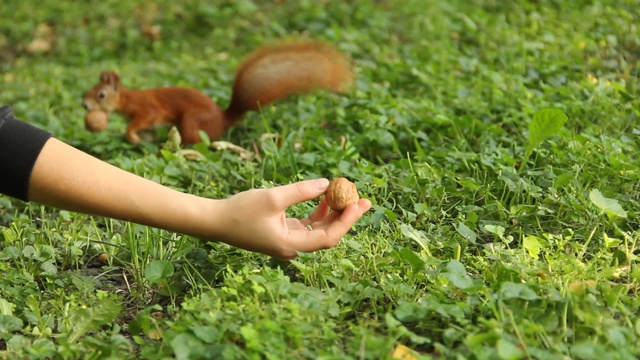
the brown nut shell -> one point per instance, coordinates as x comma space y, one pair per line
341, 193
96, 121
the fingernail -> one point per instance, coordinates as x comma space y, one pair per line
321, 184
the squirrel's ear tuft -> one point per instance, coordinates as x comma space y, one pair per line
110, 78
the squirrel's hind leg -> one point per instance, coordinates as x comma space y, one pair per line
208, 120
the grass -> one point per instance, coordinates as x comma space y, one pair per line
493, 235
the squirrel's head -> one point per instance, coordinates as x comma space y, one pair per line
105, 95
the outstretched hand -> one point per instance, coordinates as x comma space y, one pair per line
255, 220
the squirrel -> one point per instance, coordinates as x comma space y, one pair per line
270, 73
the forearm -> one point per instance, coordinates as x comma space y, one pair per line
67, 178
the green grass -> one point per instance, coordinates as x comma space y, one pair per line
480, 244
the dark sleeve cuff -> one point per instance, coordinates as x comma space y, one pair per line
20, 146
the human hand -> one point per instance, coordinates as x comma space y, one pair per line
255, 220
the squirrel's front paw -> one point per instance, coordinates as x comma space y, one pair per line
133, 138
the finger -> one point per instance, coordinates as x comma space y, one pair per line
329, 218
295, 224
322, 220
287, 195
329, 236
341, 225
321, 212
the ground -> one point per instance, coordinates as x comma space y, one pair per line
498, 142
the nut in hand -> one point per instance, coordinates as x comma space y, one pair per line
96, 121
341, 193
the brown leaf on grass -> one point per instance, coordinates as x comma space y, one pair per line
44, 39
39, 46
191, 154
152, 32
270, 137
225, 145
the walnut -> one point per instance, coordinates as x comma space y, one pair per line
96, 121
341, 193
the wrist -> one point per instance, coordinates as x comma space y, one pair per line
203, 218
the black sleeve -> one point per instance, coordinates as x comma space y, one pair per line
20, 146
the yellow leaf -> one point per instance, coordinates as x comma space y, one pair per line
402, 352
155, 334
580, 287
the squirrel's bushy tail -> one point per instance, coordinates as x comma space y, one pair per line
273, 72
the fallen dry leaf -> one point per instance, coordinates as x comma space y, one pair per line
39, 46
152, 32
225, 145
191, 154
402, 352
43, 39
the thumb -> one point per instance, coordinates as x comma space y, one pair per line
291, 194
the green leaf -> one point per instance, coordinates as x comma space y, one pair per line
412, 258
587, 350
469, 184
207, 334
495, 229
43, 349
391, 216
532, 245
28, 251
457, 275
81, 320
251, 337
416, 235
610, 242
85, 319
510, 290
143, 322
173, 169
466, 232
394, 324
6, 308
619, 258
508, 351
49, 267
480, 340
157, 271
17, 343
563, 180
545, 123
9, 323
616, 336
168, 155
411, 311
611, 207
186, 346
204, 138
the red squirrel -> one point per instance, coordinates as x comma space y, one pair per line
270, 73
